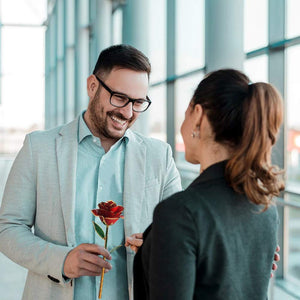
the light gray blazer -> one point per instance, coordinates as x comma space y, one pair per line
40, 194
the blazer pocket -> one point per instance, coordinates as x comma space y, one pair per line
53, 279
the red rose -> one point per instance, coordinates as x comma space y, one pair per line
109, 212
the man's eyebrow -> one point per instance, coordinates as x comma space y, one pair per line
120, 93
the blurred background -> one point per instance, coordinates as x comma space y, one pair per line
49, 48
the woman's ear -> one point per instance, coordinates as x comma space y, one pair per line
198, 116
92, 86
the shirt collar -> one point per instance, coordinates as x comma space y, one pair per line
84, 131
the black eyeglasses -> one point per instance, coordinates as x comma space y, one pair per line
121, 100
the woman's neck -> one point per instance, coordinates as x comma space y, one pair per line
213, 154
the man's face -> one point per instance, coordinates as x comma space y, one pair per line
111, 122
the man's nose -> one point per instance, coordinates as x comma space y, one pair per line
126, 111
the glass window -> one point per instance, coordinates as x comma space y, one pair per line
293, 160
257, 68
292, 18
184, 90
189, 35
157, 40
60, 30
22, 82
70, 23
293, 120
293, 238
157, 112
23, 11
256, 24
83, 13
70, 85
117, 19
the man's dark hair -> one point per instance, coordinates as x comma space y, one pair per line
121, 56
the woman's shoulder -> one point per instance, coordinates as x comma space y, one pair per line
181, 203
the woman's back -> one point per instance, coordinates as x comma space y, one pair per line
233, 258
208, 242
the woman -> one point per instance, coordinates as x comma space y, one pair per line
216, 239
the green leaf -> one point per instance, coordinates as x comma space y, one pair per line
99, 230
114, 249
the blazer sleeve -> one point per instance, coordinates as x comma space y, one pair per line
172, 264
17, 216
172, 181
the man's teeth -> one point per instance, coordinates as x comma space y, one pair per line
122, 122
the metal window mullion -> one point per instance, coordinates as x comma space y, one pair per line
47, 78
276, 77
81, 54
60, 63
69, 60
65, 70
54, 100
171, 69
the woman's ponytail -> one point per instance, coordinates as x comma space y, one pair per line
250, 170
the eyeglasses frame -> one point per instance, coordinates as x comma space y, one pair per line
129, 99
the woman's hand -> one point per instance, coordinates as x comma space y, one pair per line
135, 241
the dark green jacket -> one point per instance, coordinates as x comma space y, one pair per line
207, 242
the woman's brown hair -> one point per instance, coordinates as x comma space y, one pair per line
246, 117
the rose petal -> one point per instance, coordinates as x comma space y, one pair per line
96, 212
105, 213
117, 209
110, 221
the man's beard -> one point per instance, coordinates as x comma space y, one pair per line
100, 123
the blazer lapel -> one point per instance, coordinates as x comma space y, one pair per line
134, 183
66, 150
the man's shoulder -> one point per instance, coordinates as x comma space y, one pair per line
45, 132
51, 134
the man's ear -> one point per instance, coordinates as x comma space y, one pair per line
92, 86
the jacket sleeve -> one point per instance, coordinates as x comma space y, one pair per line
17, 216
172, 181
172, 264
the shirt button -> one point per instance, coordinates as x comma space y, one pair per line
100, 188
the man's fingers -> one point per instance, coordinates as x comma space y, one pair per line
138, 235
134, 248
134, 241
96, 260
276, 257
277, 248
84, 272
96, 249
86, 266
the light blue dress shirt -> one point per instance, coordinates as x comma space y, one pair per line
99, 178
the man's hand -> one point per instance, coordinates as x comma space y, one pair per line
84, 260
135, 241
276, 258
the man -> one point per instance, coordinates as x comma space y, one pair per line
61, 174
